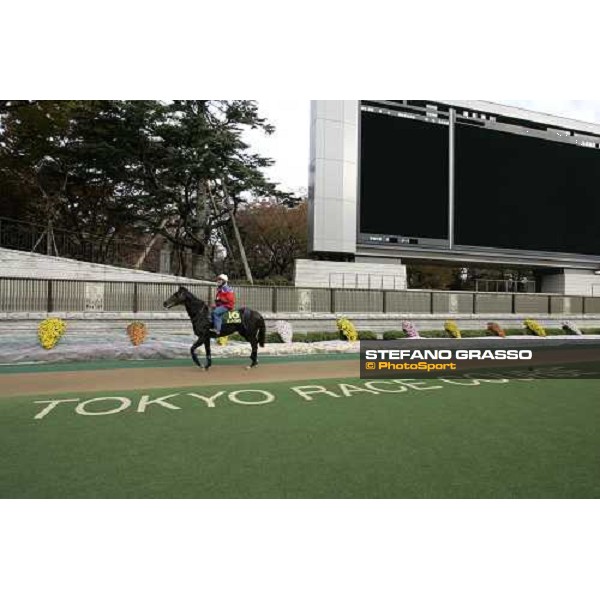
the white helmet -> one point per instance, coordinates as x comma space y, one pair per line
223, 277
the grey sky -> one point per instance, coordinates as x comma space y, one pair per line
289, 145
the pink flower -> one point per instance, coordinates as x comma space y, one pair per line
409, 329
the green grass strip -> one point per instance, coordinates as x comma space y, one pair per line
102, 365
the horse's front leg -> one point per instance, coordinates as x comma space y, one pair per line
207, 352
197, 343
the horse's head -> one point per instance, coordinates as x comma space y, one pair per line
178, 297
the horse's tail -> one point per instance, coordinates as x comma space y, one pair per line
262, 332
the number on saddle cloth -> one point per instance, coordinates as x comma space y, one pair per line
233, 317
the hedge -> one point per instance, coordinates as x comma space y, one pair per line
471, 333
511, 331
322, 336
554, 331
394, 334
316, 336
435, 333
367, 335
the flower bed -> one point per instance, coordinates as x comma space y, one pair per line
50, 331
137, 332
452, 329
285, 331
495, 329
347, 329
111, 345
410, 329
571, 328
534, 328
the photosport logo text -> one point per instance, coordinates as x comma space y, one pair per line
430, 358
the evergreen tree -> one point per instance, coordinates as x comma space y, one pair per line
176, 169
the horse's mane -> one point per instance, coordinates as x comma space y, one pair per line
197, 310
195, 303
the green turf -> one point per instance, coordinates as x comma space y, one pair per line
522, 439
101, 365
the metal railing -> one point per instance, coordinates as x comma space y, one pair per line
505, 285
64, 296
370, 281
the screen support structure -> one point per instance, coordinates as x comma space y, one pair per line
334, 225
451, 123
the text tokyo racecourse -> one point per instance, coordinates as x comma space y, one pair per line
448, 354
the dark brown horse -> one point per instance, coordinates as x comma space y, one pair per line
251, 328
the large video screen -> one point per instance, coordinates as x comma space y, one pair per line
520, 192
403, 177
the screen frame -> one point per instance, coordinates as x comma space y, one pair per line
449, 115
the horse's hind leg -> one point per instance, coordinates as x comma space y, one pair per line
254, 354
207, 351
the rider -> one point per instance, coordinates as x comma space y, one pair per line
225, 301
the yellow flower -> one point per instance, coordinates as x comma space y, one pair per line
534, 327
50, 331
452, 329
222, 341
347, 329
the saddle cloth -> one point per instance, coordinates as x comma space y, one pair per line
232, 317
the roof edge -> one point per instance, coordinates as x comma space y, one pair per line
516, 112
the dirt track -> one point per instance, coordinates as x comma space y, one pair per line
27, 384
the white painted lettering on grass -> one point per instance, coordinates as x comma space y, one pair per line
267, 397
124, 403
51, 405
489, 378
145, 401
372, 385
210, 400
415, 384
457, 382
348, 389
308, 391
